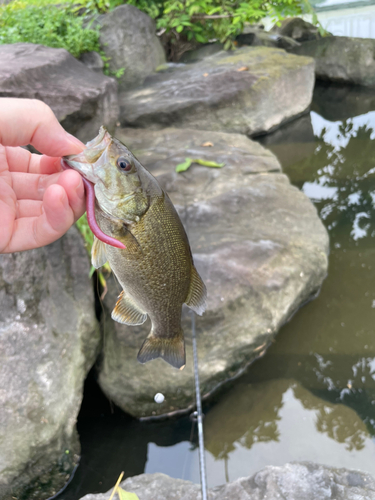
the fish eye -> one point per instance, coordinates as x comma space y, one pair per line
124, 164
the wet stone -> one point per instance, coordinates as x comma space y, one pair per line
293, 481
259, 246
82, 99
342, 59
249, 91
49, 338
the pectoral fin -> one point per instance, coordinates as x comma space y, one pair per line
197, 295
98, 255
128, 312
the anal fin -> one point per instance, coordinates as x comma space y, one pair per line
128, 312
98, 255
171, 349
197, 295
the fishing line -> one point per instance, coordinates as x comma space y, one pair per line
199, 414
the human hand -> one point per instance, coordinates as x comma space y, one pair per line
38, 202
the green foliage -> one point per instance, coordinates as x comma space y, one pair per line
191, 21
85, 230
204, 20
50, 25
182, 167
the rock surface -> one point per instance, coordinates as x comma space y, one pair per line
250, 91
293, 481
259, 37
93, 61
49, 338
297, 28
258, 245
128, 38
200, 53
81, 99
342, 59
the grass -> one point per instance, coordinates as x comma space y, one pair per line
37, 21
88, 237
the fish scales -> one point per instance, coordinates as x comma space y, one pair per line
156, 270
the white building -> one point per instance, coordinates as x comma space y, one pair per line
355, 18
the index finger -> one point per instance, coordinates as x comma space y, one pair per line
29, 121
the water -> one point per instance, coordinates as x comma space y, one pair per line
312, 397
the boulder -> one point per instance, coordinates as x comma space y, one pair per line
258, 245
128, 38
82, 99
258, 37
297, 29
200, 53
292, 481
49, 338
249, 91
342, 59
93, 61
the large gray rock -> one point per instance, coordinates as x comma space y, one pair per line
82, 99
258, 245
297, 29
93, 61
342, 59
293, 481
249, 91
49, 338
258, 37
128, 38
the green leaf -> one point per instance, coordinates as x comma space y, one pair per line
207, 163
125, 495
182, 167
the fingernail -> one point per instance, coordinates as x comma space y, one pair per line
64, 201
80, 190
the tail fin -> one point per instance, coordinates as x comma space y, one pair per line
171, 349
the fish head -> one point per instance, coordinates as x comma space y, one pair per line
123, 187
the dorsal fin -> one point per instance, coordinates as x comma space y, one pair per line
98, 255
127, 311
196, 298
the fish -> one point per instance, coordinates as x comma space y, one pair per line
154, 265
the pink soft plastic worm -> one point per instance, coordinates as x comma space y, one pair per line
90, 210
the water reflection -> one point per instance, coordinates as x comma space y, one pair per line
343, 187
278, 421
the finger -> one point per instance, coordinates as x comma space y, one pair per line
29, 208
7, 213
34, 232
32, 186
72, 182
29, 121
21, 160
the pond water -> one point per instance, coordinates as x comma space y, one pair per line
312, 397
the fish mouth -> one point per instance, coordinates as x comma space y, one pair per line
85, 162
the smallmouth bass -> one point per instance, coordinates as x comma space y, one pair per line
156, 269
